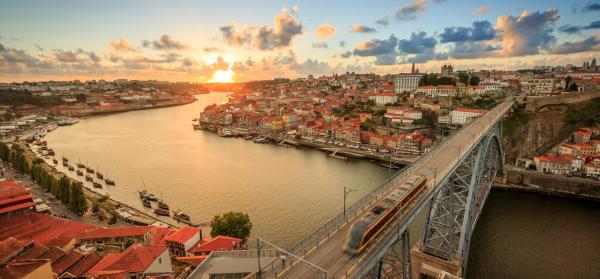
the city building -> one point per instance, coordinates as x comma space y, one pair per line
552, 164
219, 243
406, 82
382, 98
182, 240
14, 198
538, 86
462, 116
447, 70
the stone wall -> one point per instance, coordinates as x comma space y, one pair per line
552, 184
534, 103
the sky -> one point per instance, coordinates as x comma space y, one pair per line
204, 41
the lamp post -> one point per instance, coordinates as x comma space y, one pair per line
346, 192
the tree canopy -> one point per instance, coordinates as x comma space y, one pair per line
233, 224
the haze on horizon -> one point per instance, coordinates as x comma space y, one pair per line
243, 40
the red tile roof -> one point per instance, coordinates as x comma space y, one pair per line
39, 227
553, 159
100, 232
471, 110
19, 269
108, 259
112, 274
33, 253
159, 234
9, 246
64, 263
17, 207
84, 264
182, 235
193, 260
53, 254
136, 258
217, 244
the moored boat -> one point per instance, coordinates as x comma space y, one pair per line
65, 164
162, 212
79, 173
163, 205
151, 197
88, 178
80, 165
55, 161
146, 203
89, 170
71, 168
99, 175
109, 182
180, 216
261, 140
97, 185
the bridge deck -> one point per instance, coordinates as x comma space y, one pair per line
329, 254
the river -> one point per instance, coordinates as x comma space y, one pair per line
288, 192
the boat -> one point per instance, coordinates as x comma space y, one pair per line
80, 165
88, 178
146, 203
162, 212
261, 140
225, 133
151, 197
71, 168
109, 182
99, 175
55, 161
65, 160
65, 164
180, 216
50, 152
143, 194
390, 165
248, 137
80, 173
163, 205
97, 185
89, 170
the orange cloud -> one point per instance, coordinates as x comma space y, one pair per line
122, 45
481, 10
326, 30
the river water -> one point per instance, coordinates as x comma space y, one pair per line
288, 192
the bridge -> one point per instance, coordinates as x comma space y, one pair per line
459, 173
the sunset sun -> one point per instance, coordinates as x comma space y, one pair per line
221, 75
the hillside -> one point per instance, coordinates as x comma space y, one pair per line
527, 134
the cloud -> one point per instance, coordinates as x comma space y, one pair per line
211, 49
77, 56
326, 30
384, 21
572, 29
236, 38
591, 43
412, 10
165, 42
295, 9
346, 54
359, 28
481, 10
122, 45
527, 33
342, 43
319, 45
591, 7
376, 47
38, 47
471, 50
266, 37
481, 30
423, 57
386, 59
417, 43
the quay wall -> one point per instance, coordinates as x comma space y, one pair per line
534, 103
549, 184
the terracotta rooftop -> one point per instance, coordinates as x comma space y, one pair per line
53, 254
87, 262
471, 110
182, 235
33, 253
19, 269
217, 244
10, 246
38, 227
64, 263
108, 259
100, 232
136, 258
194, 260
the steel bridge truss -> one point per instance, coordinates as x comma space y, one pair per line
456, 206
453, 212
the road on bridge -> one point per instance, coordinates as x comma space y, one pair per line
329, 254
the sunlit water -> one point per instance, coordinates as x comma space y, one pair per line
288, 192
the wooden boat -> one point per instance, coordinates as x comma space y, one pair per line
146, 203
71, 168
180, 216
64, 159
89, 170
50, 152
97, 185
80, 165
163, 205
162, 212
79, 173
55, 161
88, 178
65, 164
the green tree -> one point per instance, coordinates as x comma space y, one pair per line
475, 80
234, 224
78, 201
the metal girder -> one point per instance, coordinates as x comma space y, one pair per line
455, 208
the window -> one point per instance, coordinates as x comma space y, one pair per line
159, 260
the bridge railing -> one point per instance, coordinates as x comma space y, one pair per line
323, 232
